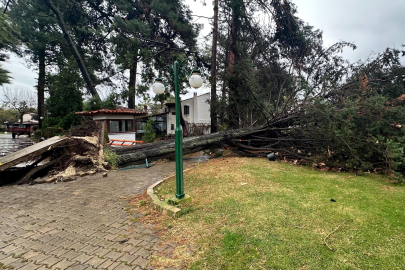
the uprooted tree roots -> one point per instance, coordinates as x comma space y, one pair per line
81, 152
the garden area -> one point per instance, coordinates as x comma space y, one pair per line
249, 213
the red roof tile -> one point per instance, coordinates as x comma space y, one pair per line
119, 110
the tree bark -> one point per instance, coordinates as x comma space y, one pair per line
165, 149
83, 69
132, 82
233, 115
41, 85
213, 111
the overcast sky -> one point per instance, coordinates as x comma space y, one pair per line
372, 25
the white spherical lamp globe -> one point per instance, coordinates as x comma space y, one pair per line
158, 86
195, 79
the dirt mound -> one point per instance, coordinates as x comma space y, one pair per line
81, 154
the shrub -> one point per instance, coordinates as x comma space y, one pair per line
149, 135
37, 134
52, 131
111, 157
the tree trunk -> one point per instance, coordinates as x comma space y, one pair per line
41, 85
83, 69
233, 115
276, 136
165, 149
132, 82
213, 111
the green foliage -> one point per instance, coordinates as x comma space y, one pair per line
111, 102
9, 115
8, 40
149, 135
66, 97
37, 134
51, 132
365, 134
111, 157
65, 91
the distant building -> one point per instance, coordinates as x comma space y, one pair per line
195, 110
120, 122
28, 119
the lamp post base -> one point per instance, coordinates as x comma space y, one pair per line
185, 200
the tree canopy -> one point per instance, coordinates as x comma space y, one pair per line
268, 68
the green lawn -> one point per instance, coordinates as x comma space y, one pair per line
249, 213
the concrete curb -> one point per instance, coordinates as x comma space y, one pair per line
162, 206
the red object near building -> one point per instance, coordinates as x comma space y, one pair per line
17, 129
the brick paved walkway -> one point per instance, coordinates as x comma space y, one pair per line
79, 225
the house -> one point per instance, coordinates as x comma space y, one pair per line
195, 110
120, 122
28, 119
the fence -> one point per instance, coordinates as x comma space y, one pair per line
197, 129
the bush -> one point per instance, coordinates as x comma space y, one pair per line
111, 157
150, 134
37, 134
52, 131
71, 119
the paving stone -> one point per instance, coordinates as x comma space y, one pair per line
78, 267
77, 246
96, 261
141, 262
123, 266
18, 264
59, 252
51, 261
134, 242
8, 249
131, 249
82, 258
127, 258
39, 257
100, 252
114, 265
89, 249
31, 254
9, 260
63, 264
113, 255
143, 253
106, 264
29, 266
46, 220
71, 255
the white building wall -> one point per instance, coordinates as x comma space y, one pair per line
171, 119
203, 109
199, 111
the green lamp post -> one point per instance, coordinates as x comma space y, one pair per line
158, 87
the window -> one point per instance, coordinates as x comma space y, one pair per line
172, 128
120, 126
114, 126
186, 109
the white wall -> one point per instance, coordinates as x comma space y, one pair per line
199, 111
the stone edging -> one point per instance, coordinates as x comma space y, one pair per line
162, 206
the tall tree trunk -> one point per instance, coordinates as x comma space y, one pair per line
233, 114
132, 82
41, 85
214, 105
73, 48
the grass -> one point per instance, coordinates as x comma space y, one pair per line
249, 213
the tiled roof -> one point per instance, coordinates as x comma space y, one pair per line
119, 110
153, 115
